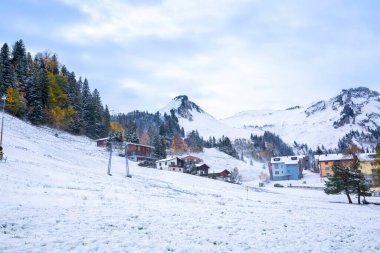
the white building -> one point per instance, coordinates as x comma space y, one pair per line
171, 164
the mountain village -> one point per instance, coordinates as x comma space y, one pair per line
76, 177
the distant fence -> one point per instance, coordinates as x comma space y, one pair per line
306, 187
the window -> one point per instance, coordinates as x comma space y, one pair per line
327, 168
277, 159
276, 173
166, 163
293, 158
173, 169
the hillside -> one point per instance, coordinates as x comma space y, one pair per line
56, 197
219, 161
193, 117
321, 123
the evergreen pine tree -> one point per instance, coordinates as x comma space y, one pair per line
98, 114
159, 147
20, 64
38, 94
6, 74
339, 182
87, 114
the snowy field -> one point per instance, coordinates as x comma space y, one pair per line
55, 196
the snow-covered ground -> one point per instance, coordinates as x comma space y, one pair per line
55, 196
219, 161
313, 124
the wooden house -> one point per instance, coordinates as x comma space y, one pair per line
117, 142
224, 174
101, 142
138, 152
200, 169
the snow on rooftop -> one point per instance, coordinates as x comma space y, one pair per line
366, 157
168, 159
285, 159
333, 157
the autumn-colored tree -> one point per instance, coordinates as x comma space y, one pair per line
376, 171
145, 139
178, 145
13, 103
117, 128
60, 114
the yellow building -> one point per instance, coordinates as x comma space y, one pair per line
369, 167
325, 162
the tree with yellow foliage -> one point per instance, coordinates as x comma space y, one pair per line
178, 145
117, 128
13, 103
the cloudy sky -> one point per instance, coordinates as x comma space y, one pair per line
226, 55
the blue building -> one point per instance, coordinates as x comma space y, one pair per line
285, 168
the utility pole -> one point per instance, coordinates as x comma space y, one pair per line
4, 97
109, 161
126, 162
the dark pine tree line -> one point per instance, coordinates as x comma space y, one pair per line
224, 144
45, 92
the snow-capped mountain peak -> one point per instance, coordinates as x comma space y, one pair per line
323, 122
182, 107
192, 117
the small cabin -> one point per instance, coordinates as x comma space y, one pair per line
200, 169
224, 174
104, 142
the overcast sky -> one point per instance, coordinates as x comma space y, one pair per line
226, 55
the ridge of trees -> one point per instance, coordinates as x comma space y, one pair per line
43, 91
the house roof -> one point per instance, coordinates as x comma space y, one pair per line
366, 157
285, 159
219, 171
114, 138
141, 145
190, 157
201, 164
101, 139
333, 157
168, 159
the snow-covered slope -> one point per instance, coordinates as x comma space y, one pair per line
323, 122
320, 123
218, 161
192, 117
55, 196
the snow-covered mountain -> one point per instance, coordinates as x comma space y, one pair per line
193, 117
323, 122
320, 123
